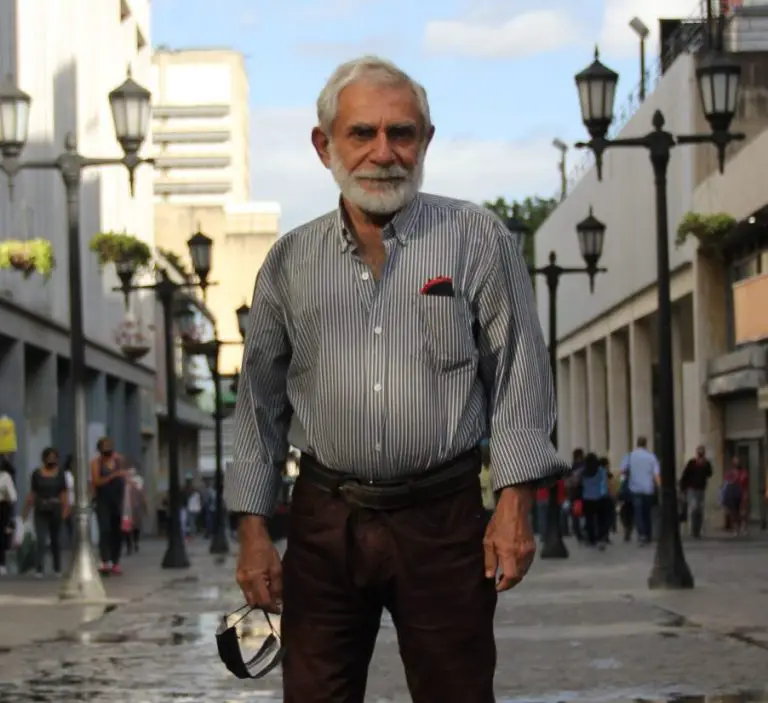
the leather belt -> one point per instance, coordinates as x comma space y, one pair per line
432, 484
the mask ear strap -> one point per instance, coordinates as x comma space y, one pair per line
248, 610
271, 626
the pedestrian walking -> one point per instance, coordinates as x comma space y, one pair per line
594, 482
573, 485
108, 474
49, 498
398, 331
70, 480
135, 503
8, 498
641, 468
693, 486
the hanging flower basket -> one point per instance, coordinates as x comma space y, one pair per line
710, 230
131, 339
121, 248
28, 256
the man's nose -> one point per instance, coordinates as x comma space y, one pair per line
382, 154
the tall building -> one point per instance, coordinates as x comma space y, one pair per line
608, 381
68, 56
201, 130
202, 183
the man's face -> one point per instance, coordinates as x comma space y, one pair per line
106, 447
376, 147
700, 453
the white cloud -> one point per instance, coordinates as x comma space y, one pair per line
528, 33
619, 40
286, 168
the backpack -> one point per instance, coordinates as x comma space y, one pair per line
730, 495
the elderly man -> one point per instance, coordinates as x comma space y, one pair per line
391, 335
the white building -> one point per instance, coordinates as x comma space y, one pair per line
607, 341
201, 127
68, 56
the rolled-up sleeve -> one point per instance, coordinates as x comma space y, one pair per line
515, 370
263, 412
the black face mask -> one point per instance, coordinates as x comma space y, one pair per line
269, 656
107, 453
51, 464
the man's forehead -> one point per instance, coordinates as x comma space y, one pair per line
376, 102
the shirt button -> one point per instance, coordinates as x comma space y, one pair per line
377, 387
377, 330
365, 275
377, 446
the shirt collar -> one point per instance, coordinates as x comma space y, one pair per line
400, 226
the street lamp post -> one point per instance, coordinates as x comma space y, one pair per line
211, 350
718, 80
130, 113
166, 290
591, 234
642, 31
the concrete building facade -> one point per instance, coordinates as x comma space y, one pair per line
201, 128
68, 56
607, 383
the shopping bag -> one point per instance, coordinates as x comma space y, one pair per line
18, 533
25, 555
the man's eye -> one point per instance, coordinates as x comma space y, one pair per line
401, 133
363, 132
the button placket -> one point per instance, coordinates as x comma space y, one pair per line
378, 351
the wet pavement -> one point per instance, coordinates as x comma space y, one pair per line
585, 630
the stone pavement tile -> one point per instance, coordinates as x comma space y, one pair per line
586, 629
30, 609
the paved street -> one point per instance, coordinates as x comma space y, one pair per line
585, 630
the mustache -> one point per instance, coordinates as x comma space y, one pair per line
389, 173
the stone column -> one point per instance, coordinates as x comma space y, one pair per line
640, 368
579, 411
597, 398
619, 401
40, 403
564, 406
677, 375
710, 339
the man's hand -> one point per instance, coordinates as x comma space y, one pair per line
259, 571
509, 544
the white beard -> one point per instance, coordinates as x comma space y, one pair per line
392, 196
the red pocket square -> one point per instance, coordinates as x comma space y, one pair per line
432, 282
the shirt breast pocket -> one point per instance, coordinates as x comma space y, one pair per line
447, 326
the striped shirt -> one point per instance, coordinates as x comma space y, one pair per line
375, 379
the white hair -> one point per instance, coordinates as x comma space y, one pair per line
373, 69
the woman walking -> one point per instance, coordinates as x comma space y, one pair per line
49, 497
108, 481
8, 498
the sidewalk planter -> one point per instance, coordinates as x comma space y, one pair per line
28, 256
121, 248
711, 230
131, 339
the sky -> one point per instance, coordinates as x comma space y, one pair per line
498, 73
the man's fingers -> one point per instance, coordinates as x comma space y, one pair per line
491, 561
276, 588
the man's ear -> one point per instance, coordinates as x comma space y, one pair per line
322, 146
430, 134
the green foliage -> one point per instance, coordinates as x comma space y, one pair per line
531, 211
710, 230
29, 256
112, 247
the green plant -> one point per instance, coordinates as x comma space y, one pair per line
28, 256
710, 230
115, 247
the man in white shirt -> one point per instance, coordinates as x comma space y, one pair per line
641, 467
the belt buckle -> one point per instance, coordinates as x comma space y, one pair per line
345, 484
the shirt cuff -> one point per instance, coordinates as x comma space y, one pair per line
525, 457
251, 488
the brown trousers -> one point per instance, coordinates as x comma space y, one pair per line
424, 564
